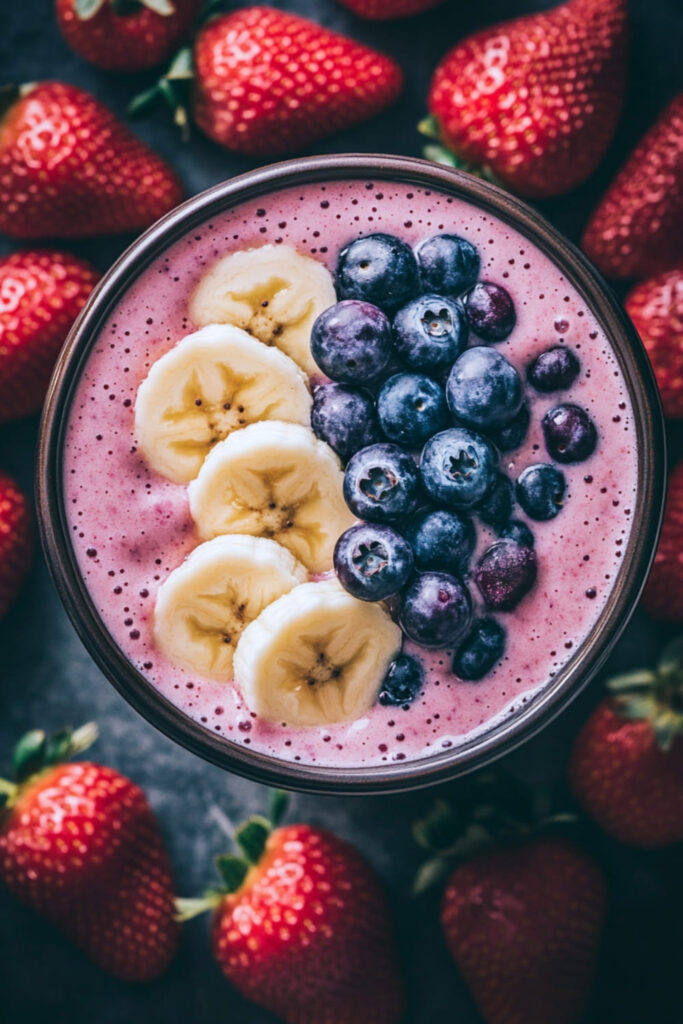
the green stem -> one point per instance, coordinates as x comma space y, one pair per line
8, 789
186, 909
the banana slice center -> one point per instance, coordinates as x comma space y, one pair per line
266, 299
219, 417
222, 617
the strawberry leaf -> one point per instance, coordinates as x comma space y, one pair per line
87, 9
29, 754
186, 909
277, 806
233, 870
163, 7
252, 837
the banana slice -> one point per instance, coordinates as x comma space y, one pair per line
212, 382
273, 292
315, 656
274, 480
205, 604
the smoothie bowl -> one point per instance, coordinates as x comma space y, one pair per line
351, 473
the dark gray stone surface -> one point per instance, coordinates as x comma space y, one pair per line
47, 679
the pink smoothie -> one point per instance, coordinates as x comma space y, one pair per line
130, 528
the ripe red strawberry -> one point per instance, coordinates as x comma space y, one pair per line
16, 540
535, 101
384, 10
656, 309
270, 82
663, 596
523, 924
69, 168
626, 768
637, 228
41, 294
305, 932
125, 35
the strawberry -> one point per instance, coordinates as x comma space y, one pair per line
301, 927
534, 101
125, 35
637, 228
385, 10
656, 309
663, 596
70, 168
523, 924
270, 82
80, 845
41, 294
16, 540
626, 767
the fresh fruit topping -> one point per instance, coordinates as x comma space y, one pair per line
274, 480
556, 369
663, 595
351, 342
315, 656
490, 311
505, 573
636, 229
518, 531
403, 682
482, 648
214, 381
381, 484
513, 434
372, 561
94, 177
380, 269
16, 540
458, 467
411, 407
496, 508
540, 491
430, 332
539, 126
345, 418
449, 264
569, 432
483, 389
441, 540
273, 292
656, 309
436, 610
385, 10
203, 606
267, 81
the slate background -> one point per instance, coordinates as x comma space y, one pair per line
47, 679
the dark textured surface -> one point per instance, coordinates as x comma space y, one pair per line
47, 679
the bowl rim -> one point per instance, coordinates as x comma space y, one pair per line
504, 735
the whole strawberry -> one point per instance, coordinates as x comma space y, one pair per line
125, 35
69, 168
80, 845
626, 767
301, 927
385, 10
16, 540
270, 82
534, 101
637, 228
41, 293
656, 309
663, 595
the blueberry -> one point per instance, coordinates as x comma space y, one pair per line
513, 434
496, 508
430, 332
441, 540
411, 407
351, 342
436, 610
483, 389
540, 491
448, 264
372, 561
381, 483
553, 370
570, 434
345, 418
458, 467
483, 646
490, 311
403, 681
378, 268
505, 573
518, 530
